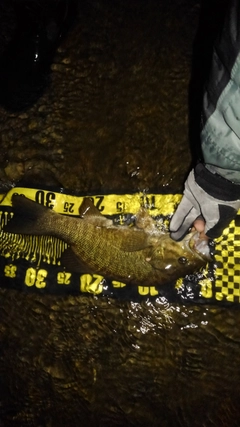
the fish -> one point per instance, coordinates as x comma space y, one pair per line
140, 255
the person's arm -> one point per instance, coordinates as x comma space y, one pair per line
212, 189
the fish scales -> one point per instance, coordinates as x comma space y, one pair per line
99, 248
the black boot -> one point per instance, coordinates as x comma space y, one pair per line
25, 65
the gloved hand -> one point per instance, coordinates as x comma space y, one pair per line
206, 195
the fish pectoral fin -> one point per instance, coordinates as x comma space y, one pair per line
155, 260
144, 220
72, 262
155, 263
135, 241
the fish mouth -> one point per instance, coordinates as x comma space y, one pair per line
198, 246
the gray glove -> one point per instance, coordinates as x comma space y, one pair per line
206, 195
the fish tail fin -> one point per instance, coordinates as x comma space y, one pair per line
29, 217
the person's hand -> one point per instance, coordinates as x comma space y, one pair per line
207, 196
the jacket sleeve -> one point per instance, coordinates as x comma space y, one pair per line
220, 135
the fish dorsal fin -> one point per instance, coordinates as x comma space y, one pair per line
91, 213
145, 221
87, 209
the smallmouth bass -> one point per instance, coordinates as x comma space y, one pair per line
140, 255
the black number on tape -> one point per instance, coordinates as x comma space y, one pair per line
45, 199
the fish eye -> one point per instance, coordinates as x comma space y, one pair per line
182, 260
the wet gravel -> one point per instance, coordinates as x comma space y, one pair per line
115, 115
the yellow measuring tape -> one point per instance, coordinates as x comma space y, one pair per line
33, 263
227, 259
